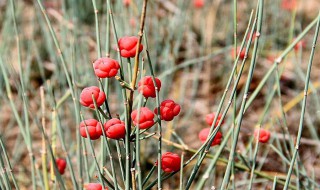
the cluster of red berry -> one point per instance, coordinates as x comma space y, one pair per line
143, 118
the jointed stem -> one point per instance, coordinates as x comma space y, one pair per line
293, 160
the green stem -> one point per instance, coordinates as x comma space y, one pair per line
137, 140
241, 112
106, 144
9, 164
293, 160
214, 130
158, 117
96, 11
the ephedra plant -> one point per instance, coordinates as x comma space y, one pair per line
126, 134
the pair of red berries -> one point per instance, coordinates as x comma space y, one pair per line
204, 133
114, 129
242, 53
106, 67
146, 87
168, 110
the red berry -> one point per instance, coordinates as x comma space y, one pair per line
147, 88
115, 129
93, 186
94, 129
127, 46
198, 3
300, 45
133, 22
170, 162
146, 118
264, 135
86, 96
203, 135
242, 53
255, 35
289, 5
126, 2
210, 118
168, 110
61, 165
105, 67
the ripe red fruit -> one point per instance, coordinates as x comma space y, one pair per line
147, 88
203, 135
132, 22
94, 129
94, 186
254, 37
168, 110
126, 2
105, 67
115, 129
61, 165
198, 3
300, 45
170, 162
86, 96
146, 118
127, 46
264, 135
242, 53
289, 5
210, 118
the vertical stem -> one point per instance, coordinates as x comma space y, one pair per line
181, 171
105, 143
44, 151
96, 11
133, 83
9, 164
85, 158
57, 45
108, 34
137, 156
129, 69
213, 131
94, 154
241, 112
293, 160
120, 160
58, 175
53, 141
57, 121
24, 97
254, 160
158, 122
235, 53
274, 186
127, 109
5, 174
140, 34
